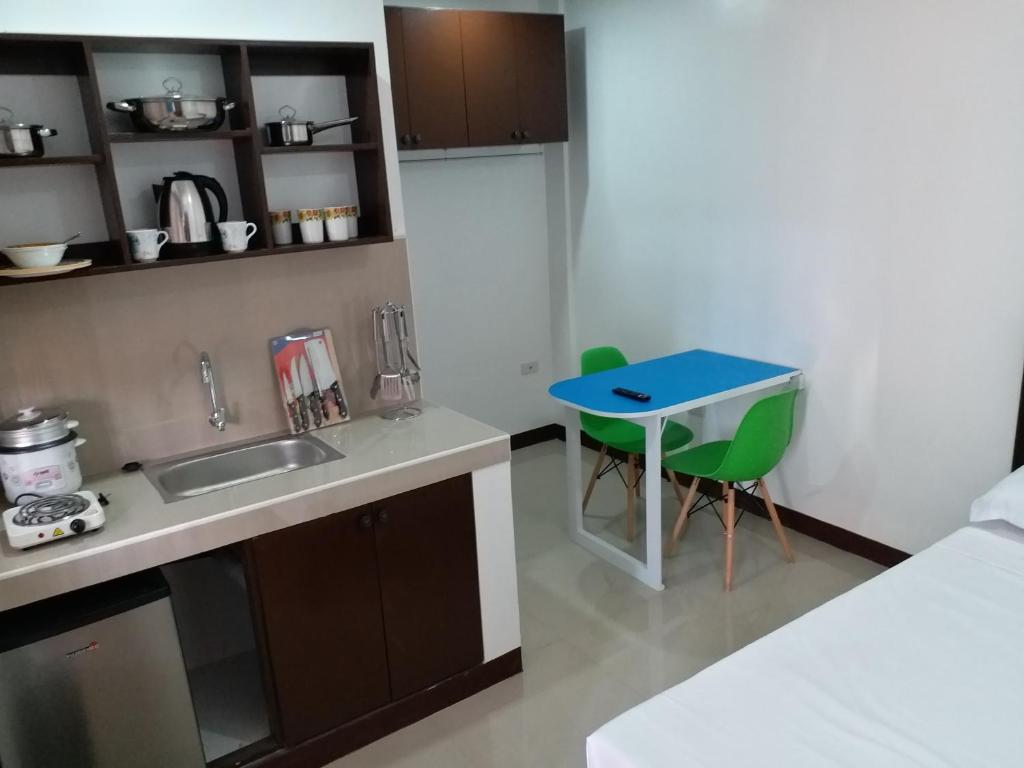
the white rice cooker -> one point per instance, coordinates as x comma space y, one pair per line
37, 455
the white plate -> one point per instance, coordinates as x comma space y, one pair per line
64, 266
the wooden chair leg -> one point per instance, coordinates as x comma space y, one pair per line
675, 485
730, 529
684, 514
593, 476
630, 503
773, 513
636, 475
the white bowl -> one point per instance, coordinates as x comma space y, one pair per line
35, 254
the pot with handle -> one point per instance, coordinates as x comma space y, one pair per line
174, 112
289, 132
21, 139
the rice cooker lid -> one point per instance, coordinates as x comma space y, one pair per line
34, 427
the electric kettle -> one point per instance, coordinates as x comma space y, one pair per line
184, 212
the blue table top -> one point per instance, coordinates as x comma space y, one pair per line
670, 381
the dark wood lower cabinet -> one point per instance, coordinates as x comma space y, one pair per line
429, 587
322, 620
368, 610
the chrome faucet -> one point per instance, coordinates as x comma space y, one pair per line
217, 417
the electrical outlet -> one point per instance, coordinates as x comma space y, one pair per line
527, 368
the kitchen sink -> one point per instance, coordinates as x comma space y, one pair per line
184, 478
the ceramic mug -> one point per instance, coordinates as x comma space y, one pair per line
281, 222
235, 235
146, 243
336, 220
352, 217
311, 224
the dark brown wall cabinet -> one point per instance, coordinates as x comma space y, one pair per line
369, 606
426, 78
510, 82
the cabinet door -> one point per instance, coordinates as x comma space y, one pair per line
426, 553
396, 58
322, 618
540, 58
489, 61
433, 74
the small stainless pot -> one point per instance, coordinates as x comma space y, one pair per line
289, 132
174, 112
21, 139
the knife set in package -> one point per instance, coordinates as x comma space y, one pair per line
307, 375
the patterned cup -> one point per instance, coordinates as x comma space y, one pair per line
311, 224
281, 226
337, 223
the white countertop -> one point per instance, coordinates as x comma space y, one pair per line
382, 458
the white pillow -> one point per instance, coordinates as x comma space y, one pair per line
1005, 501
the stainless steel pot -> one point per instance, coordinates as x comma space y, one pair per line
21, 139
289, 132
174, 112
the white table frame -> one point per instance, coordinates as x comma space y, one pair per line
653, 423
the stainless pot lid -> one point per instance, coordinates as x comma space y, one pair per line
173, 86
287, 113
8, 121
34, 426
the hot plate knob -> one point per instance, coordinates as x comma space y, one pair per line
77, 525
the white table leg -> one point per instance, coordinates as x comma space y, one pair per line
652, 490
573, 477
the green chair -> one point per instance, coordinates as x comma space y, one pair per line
621, 435
758, 445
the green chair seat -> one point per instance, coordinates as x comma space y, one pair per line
702, 461
629, 437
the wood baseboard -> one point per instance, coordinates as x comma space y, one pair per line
830, 534
322, 749
537, 435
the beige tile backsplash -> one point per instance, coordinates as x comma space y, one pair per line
121, 352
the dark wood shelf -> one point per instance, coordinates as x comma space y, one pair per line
351, 64
365, 146
20, 162
132, 137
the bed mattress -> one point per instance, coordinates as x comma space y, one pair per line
920, 666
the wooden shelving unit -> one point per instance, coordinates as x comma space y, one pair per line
240, 62
22, 162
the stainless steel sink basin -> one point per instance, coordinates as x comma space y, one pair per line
193, 476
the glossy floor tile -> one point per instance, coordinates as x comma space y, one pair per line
595, 642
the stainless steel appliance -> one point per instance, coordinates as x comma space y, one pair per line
95, 679
185, 213
174, 112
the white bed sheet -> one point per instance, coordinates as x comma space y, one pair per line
920, 666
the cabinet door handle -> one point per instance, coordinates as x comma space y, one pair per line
406, 139
365, 521
524, 134
417, 138
383, 517
515, 135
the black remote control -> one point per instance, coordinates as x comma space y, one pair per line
623, 392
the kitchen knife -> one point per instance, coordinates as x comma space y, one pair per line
289, 396
300, 398
318, 386
310, 392
318, 355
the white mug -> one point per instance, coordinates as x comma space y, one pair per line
235, 235
146, 243
281, 223
311, 225
336, 223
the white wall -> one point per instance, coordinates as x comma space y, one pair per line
479, 255
352, 20
831, 184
